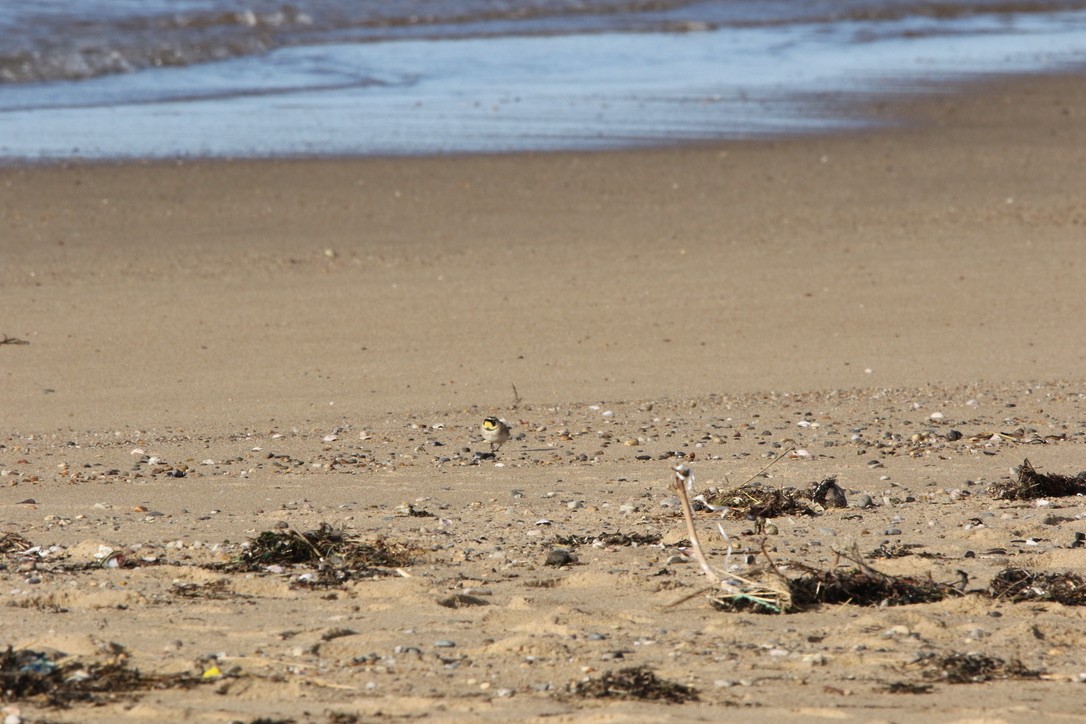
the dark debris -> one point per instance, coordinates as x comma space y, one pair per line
336, 556
1019, 585
955, 668
634, 683
610, 539
754, 500
1031, 484
905, 687
13, 543
59, 681
865, 587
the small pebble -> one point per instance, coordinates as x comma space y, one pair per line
863, 501
444, 644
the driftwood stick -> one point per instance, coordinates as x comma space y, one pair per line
684, 477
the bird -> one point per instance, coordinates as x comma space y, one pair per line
495, 432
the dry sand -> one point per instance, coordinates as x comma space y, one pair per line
316, 342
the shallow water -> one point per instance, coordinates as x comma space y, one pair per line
194, 78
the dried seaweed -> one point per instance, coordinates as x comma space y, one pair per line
1031, 484
864, 586
634, 683
610, 539
754, 500
901, 550
336, 556
958, 668
859, 586
763, 590
59, 681
13, 543
213, 590
771, 591
905, 687
1019, 585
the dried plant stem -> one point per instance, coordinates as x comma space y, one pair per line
682, 476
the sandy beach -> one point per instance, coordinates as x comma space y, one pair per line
198, 353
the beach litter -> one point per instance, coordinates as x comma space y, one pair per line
1020, 585
955, 668
754, 501
610, 539
13, 543
336, 557
1030, 484
768, 590
634, 683
57, 680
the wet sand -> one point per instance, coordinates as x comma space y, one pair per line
316, 342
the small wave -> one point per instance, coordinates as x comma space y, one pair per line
81, 39
80, 48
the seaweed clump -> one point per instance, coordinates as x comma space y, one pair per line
955, 668
856, 586
336, 556
754, 500
860, 585
637, 682
60, 681
611, 539
13, 543
1030, 484
771, 591
864, 586
1019, 584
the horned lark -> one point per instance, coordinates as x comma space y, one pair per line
495, 432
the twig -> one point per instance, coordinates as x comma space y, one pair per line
690, 596
12, 340
683, 477
735, 587
302, 537
516, 397
771, 463
856, 557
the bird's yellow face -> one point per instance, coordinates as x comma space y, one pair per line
495, 431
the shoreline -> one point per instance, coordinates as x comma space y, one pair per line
915, 105
858, 252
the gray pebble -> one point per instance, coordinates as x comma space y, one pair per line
863, 501
444, 644
560, 557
